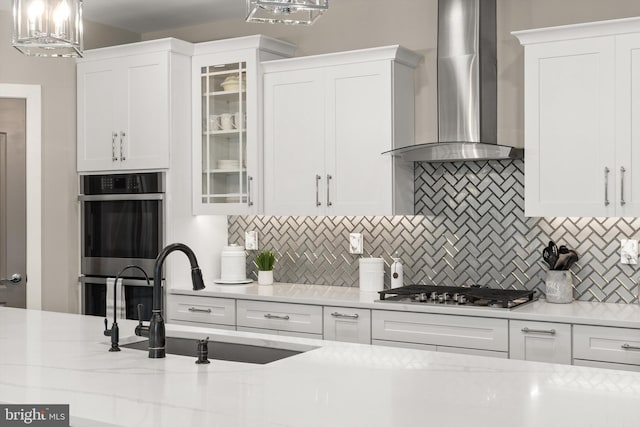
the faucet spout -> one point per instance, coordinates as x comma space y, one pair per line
157, 336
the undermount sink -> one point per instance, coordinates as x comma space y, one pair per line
221, 350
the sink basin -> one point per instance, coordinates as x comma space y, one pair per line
221, 350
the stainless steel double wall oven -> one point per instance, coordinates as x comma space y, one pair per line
122, 224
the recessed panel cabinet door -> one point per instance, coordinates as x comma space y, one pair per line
569, 128
359, 128
144, 137
540, 341
294, 150
627, 197
97, 120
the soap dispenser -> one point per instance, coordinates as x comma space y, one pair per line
396, 272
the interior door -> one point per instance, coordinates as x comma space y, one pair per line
13, 205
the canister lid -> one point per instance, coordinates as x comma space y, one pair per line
371, 260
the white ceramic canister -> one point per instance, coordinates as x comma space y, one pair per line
233, 263
396, 273
371, 274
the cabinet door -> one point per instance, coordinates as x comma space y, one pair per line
226, 142
569, 128
143, 140
294, 138
540, 341
97, 122
628, 124
358, 113
347, 324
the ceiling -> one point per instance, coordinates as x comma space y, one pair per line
142, 16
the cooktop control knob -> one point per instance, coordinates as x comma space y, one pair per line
461, 299
434, 296
422, 297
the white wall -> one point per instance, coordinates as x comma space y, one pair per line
357, 24
57, 76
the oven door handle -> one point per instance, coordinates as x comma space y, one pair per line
103, 281
110, 197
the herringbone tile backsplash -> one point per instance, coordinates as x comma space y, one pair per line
470, 228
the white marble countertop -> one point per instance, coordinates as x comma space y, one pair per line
62, 358
577, 312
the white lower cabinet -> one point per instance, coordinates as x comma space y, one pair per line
278, 316
606, 365
401, 344
347, 324
279, 332
606, 345
540, 341
187, 309
478, 333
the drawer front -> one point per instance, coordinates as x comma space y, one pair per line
280, 316
437, 329
209, 310
540, 341
283, 333
606, 365
616, 345
213, 326
347, 324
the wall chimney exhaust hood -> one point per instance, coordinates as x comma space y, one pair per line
467, 88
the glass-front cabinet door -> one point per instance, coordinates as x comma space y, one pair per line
225, 134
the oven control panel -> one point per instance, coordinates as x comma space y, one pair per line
130, 183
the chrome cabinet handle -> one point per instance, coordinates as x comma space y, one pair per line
199, 310
622, 171
273, 316
606, 186
328, 198
249, 201
114, 135
538, 331
350, 316
122, 158
318, 178
15, 279
630, 347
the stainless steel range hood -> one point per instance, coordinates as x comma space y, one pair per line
467, 87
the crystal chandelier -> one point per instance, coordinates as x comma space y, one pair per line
293, 12
51, 28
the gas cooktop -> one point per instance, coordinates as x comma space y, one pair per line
461, 296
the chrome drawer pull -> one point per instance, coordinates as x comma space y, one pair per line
273, 316
350, 316
199, 310
249, 201
538, 331
328, 198
122, 158
630, 347
606, 186
114, 136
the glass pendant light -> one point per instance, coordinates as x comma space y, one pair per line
293, 12
51, 28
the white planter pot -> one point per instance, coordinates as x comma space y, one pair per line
265, 277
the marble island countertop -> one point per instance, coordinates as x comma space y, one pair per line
62, 358
577, 312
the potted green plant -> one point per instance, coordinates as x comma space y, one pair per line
265, 261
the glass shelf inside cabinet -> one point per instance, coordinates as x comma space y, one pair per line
224, 136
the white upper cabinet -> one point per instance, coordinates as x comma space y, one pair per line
124, 108
327, 119
582, 112
227, 142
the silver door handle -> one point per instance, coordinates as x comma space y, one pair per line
622, 171
15, 278
606, 186
114, 136
249, 201
328, 198
350, 316
122, 158
273, 316
629, 347
318, 178
538, 331
199, 310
